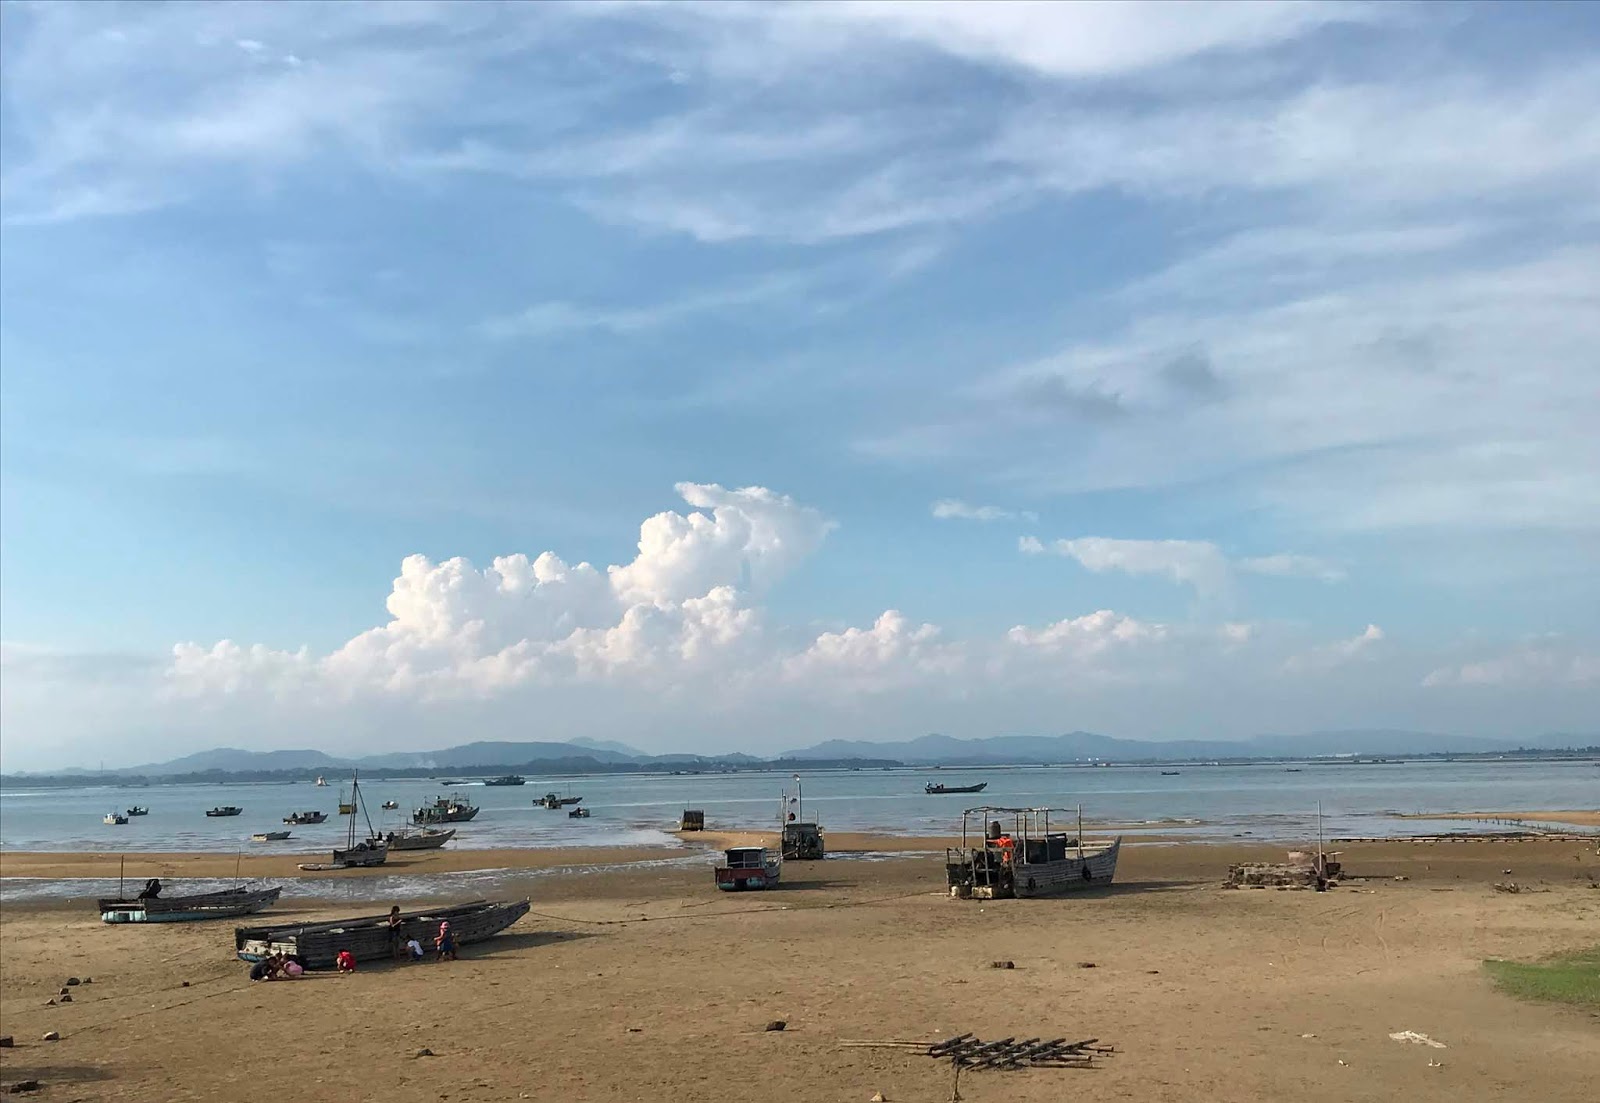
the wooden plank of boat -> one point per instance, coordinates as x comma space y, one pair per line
228, 904
369, 937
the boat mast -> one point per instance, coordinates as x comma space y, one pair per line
1080, 832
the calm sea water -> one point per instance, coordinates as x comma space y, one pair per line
1218, 802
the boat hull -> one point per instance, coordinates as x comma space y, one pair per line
188, 909
748, 880
431, 840
361, 858
978, 874
368, 938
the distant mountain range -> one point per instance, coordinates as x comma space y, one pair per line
1080, 746
585, 755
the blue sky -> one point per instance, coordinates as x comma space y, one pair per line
1251, 348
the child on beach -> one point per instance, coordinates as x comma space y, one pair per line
345, 962
414, 950
445, 943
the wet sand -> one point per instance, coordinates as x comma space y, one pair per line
1575, 818
643, 983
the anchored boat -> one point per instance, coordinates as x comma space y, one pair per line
295, 819
369, 937
138, 810
1029, 859
114, 818
445, 810
150, 907
938, 789
556, 800
508, 779
225, 810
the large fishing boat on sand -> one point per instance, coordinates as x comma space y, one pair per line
1028, 859
370, 938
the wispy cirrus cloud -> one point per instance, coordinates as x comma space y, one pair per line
1197, 563
954, 509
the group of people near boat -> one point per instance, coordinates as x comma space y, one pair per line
283, 966
277, 967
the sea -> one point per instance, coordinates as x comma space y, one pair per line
1266, 802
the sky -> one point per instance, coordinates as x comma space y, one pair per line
727, 376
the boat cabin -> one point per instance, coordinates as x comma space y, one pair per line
693, 820
747, 867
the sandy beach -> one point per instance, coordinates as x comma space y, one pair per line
642, 983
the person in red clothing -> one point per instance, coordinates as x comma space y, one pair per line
345, 962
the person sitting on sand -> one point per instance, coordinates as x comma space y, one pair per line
292, 969
445, 943
267, 968
345, 962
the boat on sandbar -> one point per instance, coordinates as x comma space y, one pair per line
1029, 859
445, 810
748, 867
151, 907
368, 938
426, 839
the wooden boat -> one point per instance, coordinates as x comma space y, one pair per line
507, 779
801, 839
579, 813
748, 867
227, 904
939, 789
445, 810
295, 819
270, 836
556, 800
390, 805
368, 937
136, 810
114, 818
225, 810
426, 839
370, 851
1030, 859
694, 819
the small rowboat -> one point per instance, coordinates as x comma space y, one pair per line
136, 810
225, 810
270, 836
114, 818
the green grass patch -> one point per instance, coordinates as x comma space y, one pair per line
1567, 978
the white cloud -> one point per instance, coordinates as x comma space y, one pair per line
1328, 656
1545, 662
946, 509
1196, 563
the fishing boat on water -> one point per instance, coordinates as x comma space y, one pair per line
748, 867
426, 839
368, 937
506, 779
445, 810
939, 789
390, 805
357, 853
151, 907
270, 836
225, 810
322, 782
114, 819
579, 814
295, 819
556, 800
1029, 859
138, 810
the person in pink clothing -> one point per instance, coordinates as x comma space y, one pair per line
445, 944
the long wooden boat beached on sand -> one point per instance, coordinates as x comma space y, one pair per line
228, 904
368, 938
426, 839
1028, 859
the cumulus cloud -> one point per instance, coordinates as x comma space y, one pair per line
946, 509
